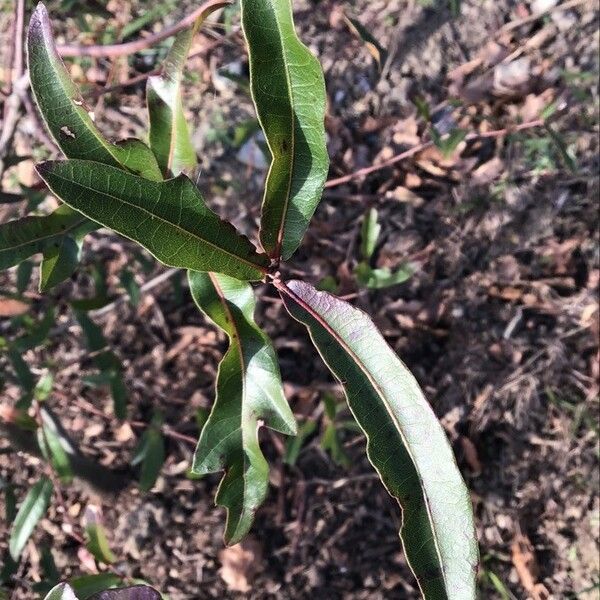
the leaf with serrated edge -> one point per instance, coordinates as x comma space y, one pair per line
65, 113
249, 391
30, 512
288, 90
170, 218
406, 443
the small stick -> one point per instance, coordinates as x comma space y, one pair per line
113, 50
420, 147
534, 17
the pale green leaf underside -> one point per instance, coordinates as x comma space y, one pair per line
63, 591
169, 135
170, 218
249, 389
406, 443
30, 512
289, 94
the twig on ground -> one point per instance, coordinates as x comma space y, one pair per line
124, 49
12, 105
143, 76
420, 147
534, 17
146, 287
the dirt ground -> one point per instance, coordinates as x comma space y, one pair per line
499, 321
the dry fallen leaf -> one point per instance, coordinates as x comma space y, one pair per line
9, 307
523, 559
240, 564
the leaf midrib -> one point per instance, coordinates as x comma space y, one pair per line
281, 228
159, 218
283, 287
236, 339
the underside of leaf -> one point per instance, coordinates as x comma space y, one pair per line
406, 443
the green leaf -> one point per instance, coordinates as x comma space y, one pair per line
22, 371
22, 238
288, 90
97, 543
170, 218
31, 511
295, 444
249, 391
378, 279
561, 146
369, 234
169, 135
63, 591
10, 503
43, 387
24, 271
128, 281
59, 263
37, 335
53, 451
64, 110
376, 50
107, 361
406, 443
87, 585
151, 454
448, 144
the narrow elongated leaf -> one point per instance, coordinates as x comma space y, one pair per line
31, 511
249, 391
22, 238
60, 261
97, 542
369, 233
53, 451
170, 218
289, 93
64, 110
86, 586
150, 453
406, 443
107, 361
169, 135
71, 124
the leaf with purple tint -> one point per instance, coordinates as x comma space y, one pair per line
405, 442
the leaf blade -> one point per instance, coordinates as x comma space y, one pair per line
288, 90
64, 111
170, 218
22, 238
30, 512
249, 390
388, 404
